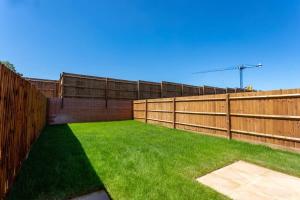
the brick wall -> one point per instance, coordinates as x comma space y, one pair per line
68, 110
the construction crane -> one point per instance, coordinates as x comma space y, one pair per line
241, 68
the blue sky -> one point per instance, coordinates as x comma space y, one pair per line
155, 40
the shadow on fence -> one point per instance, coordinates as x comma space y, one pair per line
57, 167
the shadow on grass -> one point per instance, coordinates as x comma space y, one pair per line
57, 168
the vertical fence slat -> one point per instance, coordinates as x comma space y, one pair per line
161, 90
62, 91
138, 90
228, 117
174, 112
106, 91
146, 111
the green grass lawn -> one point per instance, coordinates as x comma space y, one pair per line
133, 160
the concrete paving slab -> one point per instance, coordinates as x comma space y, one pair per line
245, 181
99, 195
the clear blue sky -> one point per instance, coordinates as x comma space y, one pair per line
154, 40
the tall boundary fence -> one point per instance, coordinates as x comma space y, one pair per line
83, 86
22, 117
271, 117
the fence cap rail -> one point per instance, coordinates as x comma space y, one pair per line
200, 99
266, 96
149, 82
41, 80
163, 100
171, 83
82, 76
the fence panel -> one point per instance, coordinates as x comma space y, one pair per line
230, 90
80, 86
50, 88
189, 90
271, 117
22, 118
169, 89
122, 89
148, 90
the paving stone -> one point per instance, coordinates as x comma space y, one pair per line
100, 195
245, 181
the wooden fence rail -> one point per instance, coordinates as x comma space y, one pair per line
271, 117
22, 118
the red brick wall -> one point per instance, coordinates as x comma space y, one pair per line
68, 110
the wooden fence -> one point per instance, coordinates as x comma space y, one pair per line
271, 117
22, 118
148, 90
169, 89
50, 88
82, 86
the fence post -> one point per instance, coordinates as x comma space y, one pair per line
174, 112
62, 91
146, 110
182, 87
228, 120
138, 90
161, 90
106, 85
